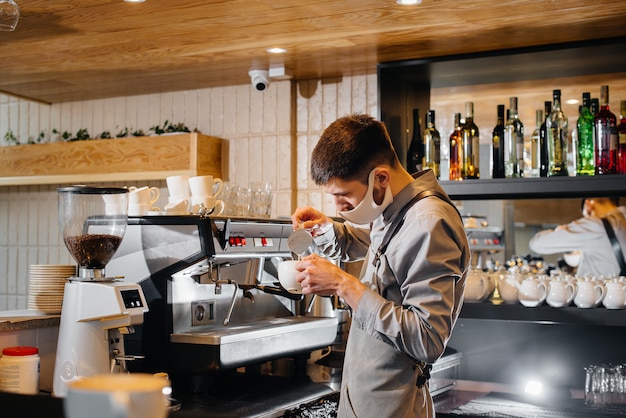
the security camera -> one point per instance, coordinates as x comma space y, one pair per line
260, 79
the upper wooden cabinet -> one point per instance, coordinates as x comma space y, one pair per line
109, 160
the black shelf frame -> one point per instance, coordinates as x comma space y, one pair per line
544, 314
537, 188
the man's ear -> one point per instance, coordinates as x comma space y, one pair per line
382, 175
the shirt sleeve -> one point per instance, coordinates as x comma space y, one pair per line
344, 242
565, 238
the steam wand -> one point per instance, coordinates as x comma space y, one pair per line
218, 284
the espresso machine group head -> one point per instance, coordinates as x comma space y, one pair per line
97, 310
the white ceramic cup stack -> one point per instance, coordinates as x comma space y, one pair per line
179, 199
141, 199
46, 285
204, 191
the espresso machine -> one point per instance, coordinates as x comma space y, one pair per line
99, 310
215, 302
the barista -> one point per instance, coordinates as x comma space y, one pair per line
589, 237
409, 295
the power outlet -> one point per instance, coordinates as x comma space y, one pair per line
202, 312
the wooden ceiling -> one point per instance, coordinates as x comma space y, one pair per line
65, 50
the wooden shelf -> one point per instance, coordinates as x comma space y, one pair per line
537, 188
108, 160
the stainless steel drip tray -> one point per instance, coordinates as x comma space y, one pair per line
263, 339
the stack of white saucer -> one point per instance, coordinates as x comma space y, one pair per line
46, 284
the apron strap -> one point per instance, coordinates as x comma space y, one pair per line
617, 249
399, 221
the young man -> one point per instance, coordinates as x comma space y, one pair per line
408, 298
588, 236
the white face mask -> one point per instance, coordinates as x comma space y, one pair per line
367, 211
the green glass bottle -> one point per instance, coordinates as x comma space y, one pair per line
585, 159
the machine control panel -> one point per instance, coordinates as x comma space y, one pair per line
131, 298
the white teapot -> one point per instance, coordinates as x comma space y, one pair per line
477, 286
615, 295
531, 291
507, 287
561, 292
589, 294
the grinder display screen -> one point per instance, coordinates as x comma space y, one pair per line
131, 298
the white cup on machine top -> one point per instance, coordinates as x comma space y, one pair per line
143, 195
178, 187
118, 395
205, 186
211, 204
177, 207
141, 199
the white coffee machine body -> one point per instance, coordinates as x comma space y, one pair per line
94, 318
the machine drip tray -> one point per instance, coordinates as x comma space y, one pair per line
273, 337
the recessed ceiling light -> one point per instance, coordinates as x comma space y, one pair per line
408, 2
134, 1
276, 50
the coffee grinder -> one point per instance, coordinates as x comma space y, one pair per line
97, 310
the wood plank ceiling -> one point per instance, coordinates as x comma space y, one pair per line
65, 50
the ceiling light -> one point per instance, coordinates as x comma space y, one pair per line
134, 1
276, 50
408, 2
9, 15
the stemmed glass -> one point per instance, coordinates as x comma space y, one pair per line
9, 15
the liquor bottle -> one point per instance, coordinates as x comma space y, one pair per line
470, 160
621, 139
585, 159
497, 143
605, 129
556, 134
543, 142
455, 149
535, 145
415, 153
432, 145
513, 142
595, 106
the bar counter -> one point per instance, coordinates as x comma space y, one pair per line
270, 397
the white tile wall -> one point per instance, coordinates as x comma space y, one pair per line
270, 135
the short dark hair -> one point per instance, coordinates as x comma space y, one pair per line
350, 148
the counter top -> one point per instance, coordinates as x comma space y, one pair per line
27, 319
467, 399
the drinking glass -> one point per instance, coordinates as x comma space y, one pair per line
9, 15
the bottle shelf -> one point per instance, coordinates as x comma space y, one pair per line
543, 314
537, 188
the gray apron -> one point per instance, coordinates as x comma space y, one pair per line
377, 368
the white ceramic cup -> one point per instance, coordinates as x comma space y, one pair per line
118, 395
177, 207
287, 276
143, 195
140, 209
202, 186
178, 187
208, 203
